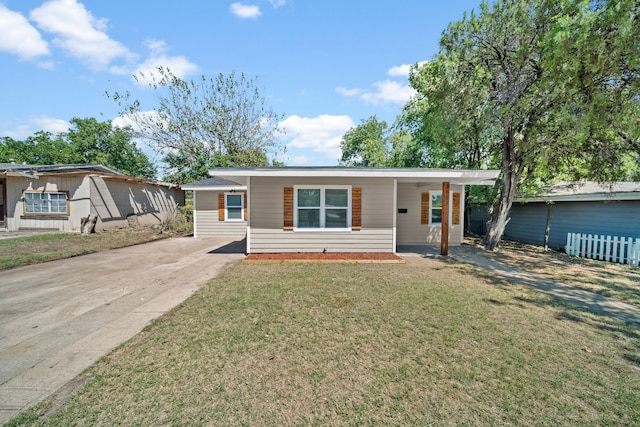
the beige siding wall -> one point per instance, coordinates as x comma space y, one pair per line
409, 229
76, 187
111, 201
267, 218
114, 200
206, 222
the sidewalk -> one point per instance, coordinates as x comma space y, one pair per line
597, 303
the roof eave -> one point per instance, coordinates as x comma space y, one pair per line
214, 188
463, 176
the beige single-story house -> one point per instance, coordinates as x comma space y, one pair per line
57, 197
334, 209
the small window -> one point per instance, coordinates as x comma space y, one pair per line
45, 203
435, 208
234, 207
322, 208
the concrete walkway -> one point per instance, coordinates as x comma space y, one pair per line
58, 318
597, 303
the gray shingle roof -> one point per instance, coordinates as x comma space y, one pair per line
210, 182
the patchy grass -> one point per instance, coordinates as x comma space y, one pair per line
619, 281
34, 249
422, 343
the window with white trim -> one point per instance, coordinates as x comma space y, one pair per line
322, 207
45, 203
233, 207
435, 207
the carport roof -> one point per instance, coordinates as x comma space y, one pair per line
215, 184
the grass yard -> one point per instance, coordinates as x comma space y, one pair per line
610, 279
19, 251
422, 343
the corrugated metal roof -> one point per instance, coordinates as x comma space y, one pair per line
587, 191
10, 167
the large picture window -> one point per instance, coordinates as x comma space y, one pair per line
322, 207
45, 203
234, 207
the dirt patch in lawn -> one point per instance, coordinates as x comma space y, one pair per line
609, 279
332, 257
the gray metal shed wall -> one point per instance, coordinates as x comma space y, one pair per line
607, 218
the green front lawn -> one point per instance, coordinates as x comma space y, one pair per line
422, 343
19, 251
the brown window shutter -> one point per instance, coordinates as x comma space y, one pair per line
455, 207
288, 208
220, 206
424, 211
246, 218
356, 208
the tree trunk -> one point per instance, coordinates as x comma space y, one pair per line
498, 218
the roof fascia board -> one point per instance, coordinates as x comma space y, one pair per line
214, 188
440, 174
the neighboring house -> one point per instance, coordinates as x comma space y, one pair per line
335, 209
588, 208
58, 197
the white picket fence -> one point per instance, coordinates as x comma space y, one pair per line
615, 249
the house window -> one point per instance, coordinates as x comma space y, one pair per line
45, 203
435, 207
234, 207
322, 207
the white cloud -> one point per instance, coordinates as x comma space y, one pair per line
132, 120
79, 33
399, 70
245, 11
402, 70
180, 66
349, 92
35, 124
19, 37
320, 134
389, 92
277, 3
18, 132
50, 124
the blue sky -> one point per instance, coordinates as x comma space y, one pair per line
325, 65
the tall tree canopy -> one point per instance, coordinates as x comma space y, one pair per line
88, 141
366, 144
537, 88
222, 121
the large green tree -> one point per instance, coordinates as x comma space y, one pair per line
92, 141
87, 141
203, 123
537, 88
366, 144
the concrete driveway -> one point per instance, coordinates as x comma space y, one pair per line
58, 318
